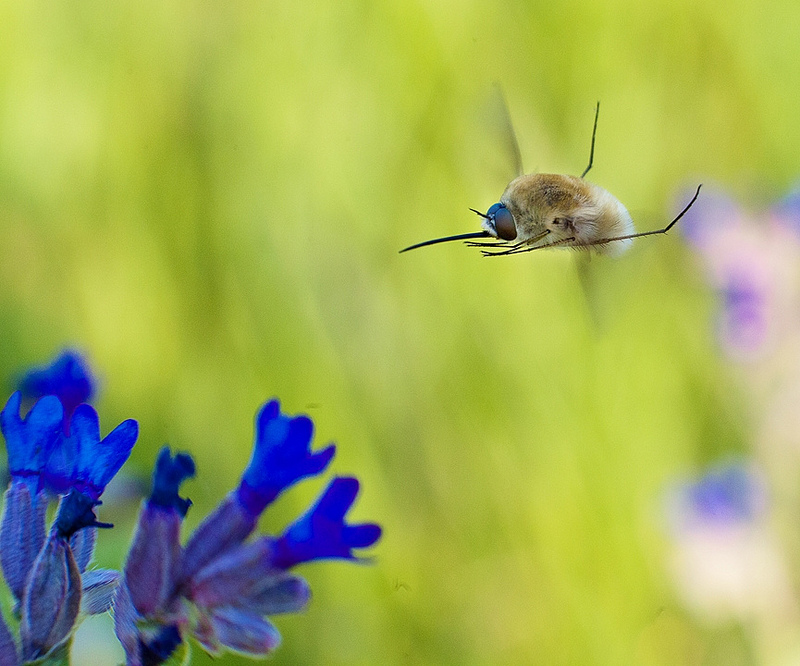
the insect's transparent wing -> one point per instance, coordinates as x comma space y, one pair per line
587, 276
500, 118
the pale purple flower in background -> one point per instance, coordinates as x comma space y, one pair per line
788, 210
753, 262
726, 562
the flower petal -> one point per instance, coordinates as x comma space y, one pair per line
114, 451
99, 589
29, 441
281, 456
321, 533
67, 377
245, 632
168, 476
96, 461
289, 595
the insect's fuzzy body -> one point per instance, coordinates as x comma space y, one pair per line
564, 211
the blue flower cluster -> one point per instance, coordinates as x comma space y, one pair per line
219, 588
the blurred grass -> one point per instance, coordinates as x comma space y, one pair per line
209, 199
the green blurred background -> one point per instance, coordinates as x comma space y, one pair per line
208, 199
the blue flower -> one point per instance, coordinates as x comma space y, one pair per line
147, 615
82, 460
221, 587
234, 593
729, 495
322, 533
281, 456
46, 458
30, 441
153, 564
68, 377
169, 475
39, 450
788, 209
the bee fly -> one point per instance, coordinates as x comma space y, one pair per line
542, 210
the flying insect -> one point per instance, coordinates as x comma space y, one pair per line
544, 210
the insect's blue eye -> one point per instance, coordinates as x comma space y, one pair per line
503, 221
493, 209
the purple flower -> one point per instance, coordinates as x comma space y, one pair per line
30, 440
788, 210
82, 460
753, 261
234, 593
322, 533
248, 577
726, 562
152, 568
744, 320
68, 377
50, 460
712, 214
148, 594
29, 443
281, 456
221, 587
237, 630
726, 494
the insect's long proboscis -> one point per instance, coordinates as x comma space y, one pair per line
446, 239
